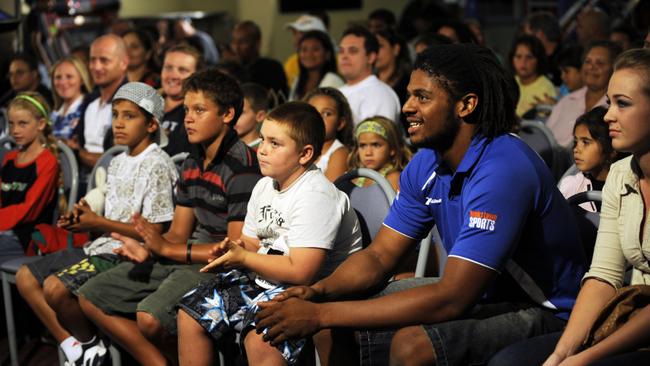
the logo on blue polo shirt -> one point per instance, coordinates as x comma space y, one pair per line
482, 220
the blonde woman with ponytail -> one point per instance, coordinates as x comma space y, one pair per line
29, 178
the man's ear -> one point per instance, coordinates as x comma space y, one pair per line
466, 105
306, 154
228, 115
372, 58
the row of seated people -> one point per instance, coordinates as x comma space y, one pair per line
314, 231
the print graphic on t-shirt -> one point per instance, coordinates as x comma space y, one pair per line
14, 186
269, 221
482, 220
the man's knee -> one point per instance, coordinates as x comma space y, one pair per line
55, 291
25, 279
411, 346
149, 326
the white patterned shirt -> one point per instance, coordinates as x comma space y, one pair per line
143, 183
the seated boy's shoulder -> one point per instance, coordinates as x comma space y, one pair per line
241, 156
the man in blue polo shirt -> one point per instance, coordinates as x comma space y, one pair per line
515, 257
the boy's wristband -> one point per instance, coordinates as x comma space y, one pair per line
188, 255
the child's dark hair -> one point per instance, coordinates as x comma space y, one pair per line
370, 43
570, 56
304, 123
598, 129
465, 68
257, 96
36, 104
342, 107
594, 120
535, 47
220, 88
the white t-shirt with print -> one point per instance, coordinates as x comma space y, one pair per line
311, 213
143, 183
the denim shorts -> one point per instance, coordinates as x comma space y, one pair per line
471, 340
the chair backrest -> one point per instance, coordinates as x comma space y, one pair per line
178, 160
104, 161
370, 203
70, 171
587, 221
6, 143
540, 138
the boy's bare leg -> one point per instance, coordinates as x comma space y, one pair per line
259, 352
65, 305
155, 333
195, 346
125, 332
33, 294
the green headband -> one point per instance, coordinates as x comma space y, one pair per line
37, 104
371, 126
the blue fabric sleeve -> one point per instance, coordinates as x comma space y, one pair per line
409, 214
495, 209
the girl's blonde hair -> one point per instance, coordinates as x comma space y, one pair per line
388, 130
35, 104
342, 107
86, 81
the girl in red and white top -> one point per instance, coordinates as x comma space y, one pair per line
30, 174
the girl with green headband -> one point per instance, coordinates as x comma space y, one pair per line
30, 174
379, 146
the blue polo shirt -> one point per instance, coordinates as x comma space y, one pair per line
500, 210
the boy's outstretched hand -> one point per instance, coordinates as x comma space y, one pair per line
131, 248
229, 254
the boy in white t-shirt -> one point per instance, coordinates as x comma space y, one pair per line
298, 228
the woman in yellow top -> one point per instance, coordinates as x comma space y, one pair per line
529, 65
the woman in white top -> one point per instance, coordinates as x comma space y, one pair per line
70, 81
317, 62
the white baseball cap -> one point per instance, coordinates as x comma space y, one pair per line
307, 23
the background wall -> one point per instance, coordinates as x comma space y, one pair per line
276, 39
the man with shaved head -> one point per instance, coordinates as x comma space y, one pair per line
592, 24
108, 63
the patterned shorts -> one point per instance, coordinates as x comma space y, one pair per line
229, 302
79, 273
